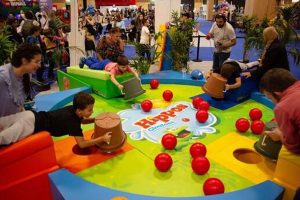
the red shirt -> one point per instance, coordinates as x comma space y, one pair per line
287, 114
113, 68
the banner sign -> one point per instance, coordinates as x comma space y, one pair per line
115, 2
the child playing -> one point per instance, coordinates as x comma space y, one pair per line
231, 70
118, 68
59, 122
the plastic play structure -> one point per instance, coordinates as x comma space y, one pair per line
25, 166
98, 80
32, 159
29, 169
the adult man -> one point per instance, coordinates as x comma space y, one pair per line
284, 89
224, 38
284, 93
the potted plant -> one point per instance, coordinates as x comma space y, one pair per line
283, 24
141, 64
180, 34
253, 35
6, 47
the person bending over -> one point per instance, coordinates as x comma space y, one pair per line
59, 122
283, 89
231, 70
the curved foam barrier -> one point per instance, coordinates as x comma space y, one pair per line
57, 100
172, 77
242, 93
24, 168
259, 97
65, 185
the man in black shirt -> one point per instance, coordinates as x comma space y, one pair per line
64, 121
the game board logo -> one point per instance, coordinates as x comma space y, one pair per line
161, 117
178, 119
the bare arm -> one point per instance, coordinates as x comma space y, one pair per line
230, 43
82, 143
209, 36
87, 120
113, 79
237, 84
135, 73
246, 74
275, 134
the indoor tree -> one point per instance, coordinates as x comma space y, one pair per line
180, 34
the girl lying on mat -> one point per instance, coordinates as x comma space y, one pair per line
118, 68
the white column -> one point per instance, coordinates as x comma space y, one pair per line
76, 39
209, 10
163, 11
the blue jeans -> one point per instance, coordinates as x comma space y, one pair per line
98, 64
219, 58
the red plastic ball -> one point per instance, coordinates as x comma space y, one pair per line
242, 124
163, 162
200, 165
168, 95
169, 141
213, 186
196, 102
201, 116
203, 105
197, 149
257, 127
154, 83
146, 105
255, 114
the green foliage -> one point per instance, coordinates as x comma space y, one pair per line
283, 24
180, 34
6, 46
55, 23
253, 34
141, 64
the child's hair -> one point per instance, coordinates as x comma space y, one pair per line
227, 70
82, 100
122, 60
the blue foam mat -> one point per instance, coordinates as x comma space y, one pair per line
172, 77
53, 101
222, 104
